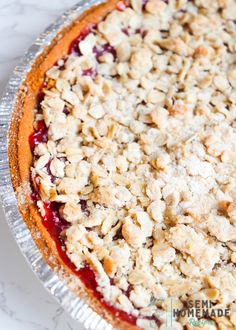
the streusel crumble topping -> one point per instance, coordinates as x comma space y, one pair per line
141, 155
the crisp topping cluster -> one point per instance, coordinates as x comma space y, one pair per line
141, 155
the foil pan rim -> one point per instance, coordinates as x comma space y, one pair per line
76, 307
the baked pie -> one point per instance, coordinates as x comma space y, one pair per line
122, 151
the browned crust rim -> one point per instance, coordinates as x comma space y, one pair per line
20, 157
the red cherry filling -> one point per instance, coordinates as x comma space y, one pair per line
106, 48
38, 136
89, 72
41, 94
74, 49
74, 46
53, 222
66, 110
125, 31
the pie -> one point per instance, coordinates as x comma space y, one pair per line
122, 152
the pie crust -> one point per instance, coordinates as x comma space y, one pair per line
181, 218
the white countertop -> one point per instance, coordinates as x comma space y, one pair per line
24, 303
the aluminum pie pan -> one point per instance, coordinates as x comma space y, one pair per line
77, 308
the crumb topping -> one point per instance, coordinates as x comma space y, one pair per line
141, 155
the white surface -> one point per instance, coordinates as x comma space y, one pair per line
24, 303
